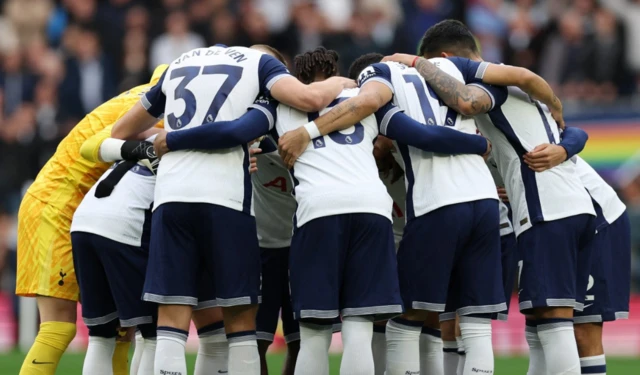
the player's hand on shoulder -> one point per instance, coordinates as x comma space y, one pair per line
160, 144
346, 83
292, 144
545, 156
402, 58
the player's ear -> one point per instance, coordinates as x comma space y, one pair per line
445, 54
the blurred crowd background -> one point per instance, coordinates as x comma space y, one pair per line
61, 59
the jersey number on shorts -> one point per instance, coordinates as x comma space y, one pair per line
188, 73
344, 139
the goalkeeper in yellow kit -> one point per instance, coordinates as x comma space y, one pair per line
45, 264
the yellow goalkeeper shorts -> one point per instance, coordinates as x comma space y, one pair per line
45, 262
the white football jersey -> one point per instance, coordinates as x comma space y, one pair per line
274, 202
432, 180
612, 207
505, 223
125, 215
517, 127
398, 194
205, 85
337, 173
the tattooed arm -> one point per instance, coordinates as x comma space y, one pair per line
466, 100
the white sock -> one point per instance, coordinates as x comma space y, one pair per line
170, 358
137, 354
379, 349
244, 358
403, 347
313, 358
148, 357
559, 345
97, 361
357, 358
461, 356
476, 335
431, 358
595, 365
537, 364
450, 357
213, 354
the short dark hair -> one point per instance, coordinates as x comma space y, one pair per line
362, 62
319, 61
448, 35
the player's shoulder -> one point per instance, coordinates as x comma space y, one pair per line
447, 66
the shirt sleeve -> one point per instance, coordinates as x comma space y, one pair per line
154, 100
403, 129
573, 140
270, 70
379, 72
269, 106
498, 94
472, 71
226, 134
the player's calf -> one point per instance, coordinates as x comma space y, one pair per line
431, 358
590, 349
172, 334
357, 332
315, 339
213, 349
403, 344
240, 327
449, 344
102, 343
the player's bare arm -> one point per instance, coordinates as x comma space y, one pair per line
135, 121
371, 97
312, 97
466, 100
529, 82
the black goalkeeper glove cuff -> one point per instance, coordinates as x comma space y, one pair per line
137, 150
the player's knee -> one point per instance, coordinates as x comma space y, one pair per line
56, 309
175, 316
448, 330
107, 330
240, 318
206, 317
416, 315
589, 338
553, 312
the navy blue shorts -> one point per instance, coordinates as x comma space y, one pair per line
111, 276
451, 257
609, 285
510, 259
276, 297
344, 265
550, 251
203, 255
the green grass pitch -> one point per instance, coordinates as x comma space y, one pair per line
71, 364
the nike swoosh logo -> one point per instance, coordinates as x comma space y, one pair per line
41, 363
585, 306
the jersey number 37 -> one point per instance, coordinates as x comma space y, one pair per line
181, 92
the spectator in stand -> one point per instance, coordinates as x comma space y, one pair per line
89, 78
177, 40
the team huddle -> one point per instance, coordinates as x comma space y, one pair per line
398, 206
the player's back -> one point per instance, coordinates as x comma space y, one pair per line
274, 205
515, 128
435, 180
67, 176
337, 174
206, 85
